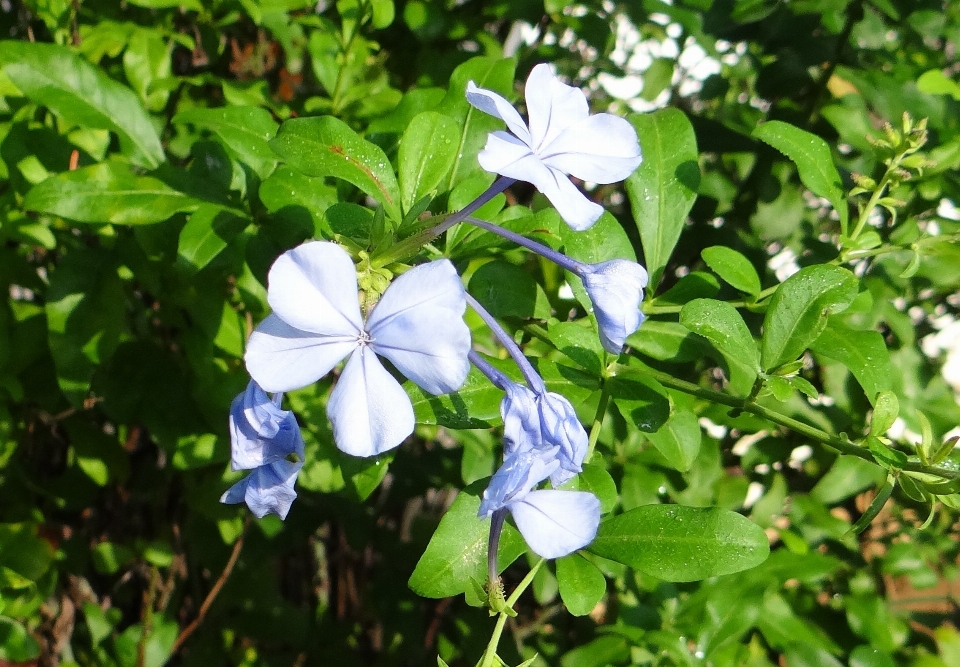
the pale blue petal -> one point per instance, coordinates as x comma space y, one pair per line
599, 149
491, 103
260, 432
552, 106
368, 408
616, 290
266, 490
521, 419
282, 358
517, 477
314, 288
557, 523
418, 325
560, 427
505, 154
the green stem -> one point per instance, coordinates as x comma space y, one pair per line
834, 442
598, 419
490, 655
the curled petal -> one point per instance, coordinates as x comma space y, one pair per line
557, 523
368, 408
266, 490
282, 358
600, 149
616, 290
314, 288
517, 477
418, 325
260, 432
491, 103
560, 427
521, 420
552, 106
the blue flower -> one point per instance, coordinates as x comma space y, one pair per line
616, 290
542, 439
543, 421
266, 440
316, 322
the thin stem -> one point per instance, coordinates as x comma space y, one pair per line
499, 380
598, 420
834, 442
411, 245
557, 258
493, 545
490, 654
212, 595
529, 373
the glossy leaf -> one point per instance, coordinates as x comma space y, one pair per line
82, 94
733, 268
326, 146
475, 405
207, 232
246, 131
582, 585
641, 401
798, 311
679, 439
677, 543
814, 162
662, 190
865, 353
722, 325
108, 192
428, 151
457, 552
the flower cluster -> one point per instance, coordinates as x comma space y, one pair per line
417, 325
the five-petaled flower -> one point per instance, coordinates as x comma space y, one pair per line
266, 440
562, 138
316, 322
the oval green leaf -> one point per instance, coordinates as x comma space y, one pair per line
814, 162
326, 146
722, 325
428, 150
663, 188
677, 543
798, 311
581, 584
735, 269
679, 439
82, 94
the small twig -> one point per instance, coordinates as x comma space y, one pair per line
212, 595
149, 596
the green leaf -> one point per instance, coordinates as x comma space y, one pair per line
865, 353
108, 192
722, 325
326, 146
474, 125
579, 343
86, 314
595, 479
82, 94
733, 267
428, 151
507, 290
475, 405
641, 401
848, 476
299, 201
208, 231
798, 311
886, 409
667, 341
679, 439
677, 543
879, 500
662, 190
246, 131
935, 82
814, 162
457, 551
582, 585
109, 557
16, 644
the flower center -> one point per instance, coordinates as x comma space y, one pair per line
364, 339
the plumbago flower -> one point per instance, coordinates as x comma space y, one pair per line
562, 139
316, 322
266, 440
615, 287
542, 440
